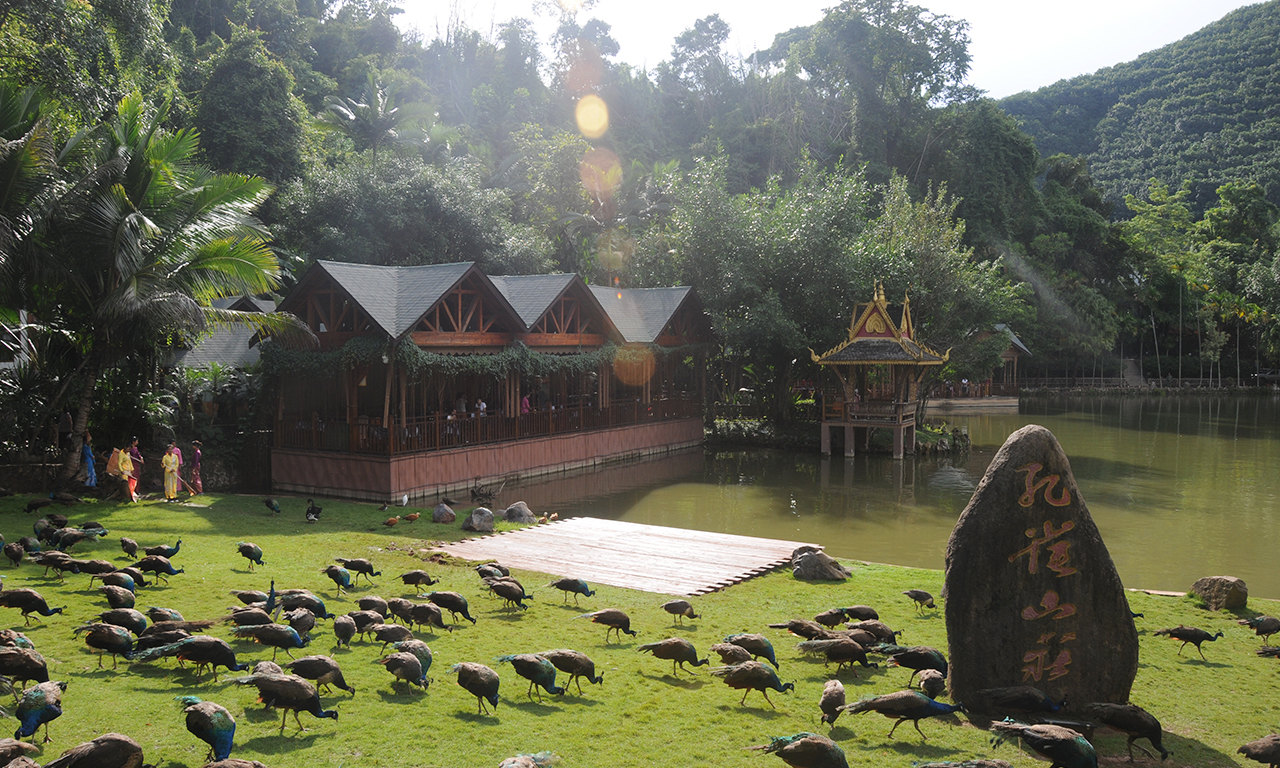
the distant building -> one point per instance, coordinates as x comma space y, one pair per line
235, 346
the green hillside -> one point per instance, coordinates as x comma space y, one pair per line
1203, 109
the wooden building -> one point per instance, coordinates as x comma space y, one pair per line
879, 366
440, 376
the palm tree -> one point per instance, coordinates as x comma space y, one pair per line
372, 122
146, 239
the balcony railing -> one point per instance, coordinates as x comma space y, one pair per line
442, 432
870, 410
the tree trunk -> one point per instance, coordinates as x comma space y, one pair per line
783, 407
71, 461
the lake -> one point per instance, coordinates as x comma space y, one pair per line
1180, 487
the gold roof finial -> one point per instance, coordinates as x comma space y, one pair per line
880, 293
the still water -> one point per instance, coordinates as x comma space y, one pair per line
1179, 487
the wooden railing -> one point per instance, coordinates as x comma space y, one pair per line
870, 410
441, 432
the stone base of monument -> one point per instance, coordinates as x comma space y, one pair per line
1220, 592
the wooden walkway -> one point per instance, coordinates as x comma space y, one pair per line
654, 558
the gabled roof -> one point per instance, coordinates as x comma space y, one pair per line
234, 345
532, 295
1013, 338
881, 334
640, 314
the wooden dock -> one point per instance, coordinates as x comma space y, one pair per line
654, 558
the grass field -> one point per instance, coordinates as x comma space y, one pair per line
642, 715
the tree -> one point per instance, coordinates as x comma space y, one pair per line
373, 122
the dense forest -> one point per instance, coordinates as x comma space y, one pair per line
782, 185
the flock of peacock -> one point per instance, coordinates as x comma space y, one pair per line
286, 620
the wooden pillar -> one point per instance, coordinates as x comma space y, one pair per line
849, 443
826, 438
897, 441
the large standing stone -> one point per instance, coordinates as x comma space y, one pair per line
443, 513
519, 513
480, 520
1221, 592
812, 564
1032, 596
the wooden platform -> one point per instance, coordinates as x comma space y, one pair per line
654, 558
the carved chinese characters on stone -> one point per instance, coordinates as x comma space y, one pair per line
1032, 596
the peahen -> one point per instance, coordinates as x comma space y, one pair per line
428, 615
14, 551
417, 648
1262, 626
922, 599
1189, 635
287, 693
201, 650
120, 579
539, 671
915, 658
904, 705
129, 618
39, 705
322, 669
452, 602
23, 665
375, 604
359, 566
407, 667
418, 578
251, 552
731, 654
344, 628
511, 592
752, 676
932, 683
614, 619
26, 600
677, 650
842, 651
129, 547
575, 664
390, 633
158, 614
12, 749
883, 632
536, 760
805, 750
831, 701
572, 586
118, 597
110, 750
1064, 747
210, 723
1264, 750
341, 577
1133, 721
757, 645
301, 598
278, 636
107, 638
164, 550
680, 609
479, 681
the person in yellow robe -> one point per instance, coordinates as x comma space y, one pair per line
171, 462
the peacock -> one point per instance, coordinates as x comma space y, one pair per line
301, 598
164, 550
210, 723
110, 750
842, 651
752, 676
407, 667
418, 578
287, 693
28, 601
540, 673
536, 760
572, 586
904, 705
511, 591
1262, 626
805, 750
159, 565
278, 636
129, 618
831, 701
1133, 721
922, 599
480, 681
201, 650
39, 705
915, 658
614, 619
339, 576
118, 597
1016, 700
452, 602
1063, 746
359, 566
107, 638
1264, 750
1189, 635
418, 649
575, 664
251, 552
12, 638
757, 645
129, 547
731, 654
273, 506
344, 628
120, 579
23, 665
677, 650
322, 669
680, 609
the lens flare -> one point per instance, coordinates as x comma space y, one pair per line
593, 116
634, 366
600, 172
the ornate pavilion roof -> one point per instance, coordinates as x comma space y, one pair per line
881, 335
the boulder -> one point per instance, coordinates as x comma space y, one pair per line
812, 564
519, 513
443, 514
1221, 592
480, 520
1032, 595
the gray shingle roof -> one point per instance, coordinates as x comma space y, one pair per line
226, 346
531, 295
395, 297
640, 314
1013, 338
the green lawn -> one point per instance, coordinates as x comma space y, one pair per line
640, 716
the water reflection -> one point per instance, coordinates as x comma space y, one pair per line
1180, 488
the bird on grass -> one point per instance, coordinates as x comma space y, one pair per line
479, 681
427, 615
312, 514
407, 667
419, 649
492, 570
861, 613
23, 665
322, 669
12, 638
287, 693
882, 631
1264, 750
922, 599
932, 683
537, 760
418, 579
412, 517
301, 598
511, 592
234, 762
128, 618
28, 601
390, 522
272, 506
539, 671
201, 650
373, 603
158, 614
341, 577
833, 617
1262, 626
164, 550
680, 609
572, 586
251, 552
95, 568
1063, 746
344, 628
359, 566
904, 705
159, 565
107, 638
809, 630
12, 749
210, 723
452, 602
302, 620
1189, 635
831, 701
278, 636
120, 579
614, 619
677, 650
731, 654
110, 750
118, 597
805, 750
915, 658
842, 651
15, 552
752, 676
757, 645
1133, 721
1015, 699
58, 562
39, 705
390, 633
574, 664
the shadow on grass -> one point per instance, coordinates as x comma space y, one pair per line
541, 709
687, 682
291, 741
579, 700
750, 708
476, 717
920, 750
394, 696
840, 733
